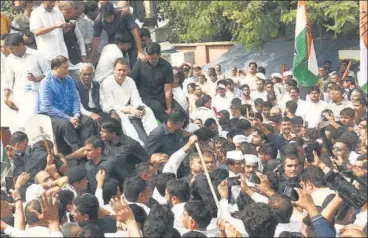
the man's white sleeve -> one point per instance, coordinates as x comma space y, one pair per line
172, 165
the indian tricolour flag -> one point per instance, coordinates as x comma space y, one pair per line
363, 46
305, 68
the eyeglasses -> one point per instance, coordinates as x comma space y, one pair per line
338, 149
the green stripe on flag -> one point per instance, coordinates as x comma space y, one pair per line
364, 87
300, 65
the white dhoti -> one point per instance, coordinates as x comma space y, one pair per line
149, 124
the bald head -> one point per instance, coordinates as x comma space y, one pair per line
157, 158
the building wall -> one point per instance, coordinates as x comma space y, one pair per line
205, 52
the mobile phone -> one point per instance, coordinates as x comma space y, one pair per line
9, 183
290, 193
232, 181
140, 108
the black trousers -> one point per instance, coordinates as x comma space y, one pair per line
70, 139
158, 108
138, 126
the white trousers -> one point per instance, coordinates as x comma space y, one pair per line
149, 124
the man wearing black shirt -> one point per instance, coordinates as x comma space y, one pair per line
168, 137
96, 161
35, 159
85, 211
112, 22
126, 151
154, 79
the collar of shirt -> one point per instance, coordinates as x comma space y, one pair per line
45, 10
84, 85
166, 129
99, 162
158, 64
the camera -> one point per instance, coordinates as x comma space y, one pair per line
347, 191
309, 148
232, 181
290, 193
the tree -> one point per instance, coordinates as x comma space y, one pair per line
254, 23
6, 7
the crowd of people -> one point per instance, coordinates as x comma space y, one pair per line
143, 149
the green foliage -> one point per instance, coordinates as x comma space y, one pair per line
253, 23
6, 7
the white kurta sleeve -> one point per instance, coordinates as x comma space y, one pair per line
135, 98
172, 165
80, 40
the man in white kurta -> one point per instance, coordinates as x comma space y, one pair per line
311, 110
109, 54
6, 112
25, 68
222, 99
120, 98
47, 23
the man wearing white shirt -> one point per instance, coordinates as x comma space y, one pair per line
47, 24
109, 54
73, 39
178, 92
120, 98
177, 194
313, 184
235, 161
222, 100
338, 102
312, 109
293, 96
260, 91
84, 23
250, 78
6, 112
23, 82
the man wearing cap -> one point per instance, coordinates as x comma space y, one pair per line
222, 100
252, 164
77, 179
238, 140
287, 75
278, 86
168, 137
235, 162
260, 92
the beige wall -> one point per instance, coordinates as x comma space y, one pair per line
205, 52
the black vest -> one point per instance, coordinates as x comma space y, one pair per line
72, 45
84, 95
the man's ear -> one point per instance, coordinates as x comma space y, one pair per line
191, 223
86, 217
